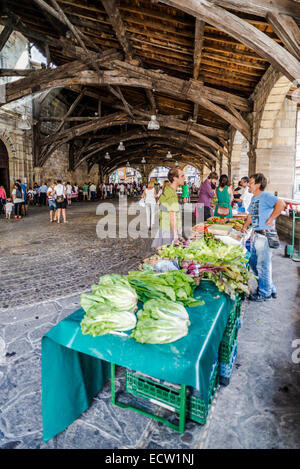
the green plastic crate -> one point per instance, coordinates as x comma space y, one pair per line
168, 395
228, 341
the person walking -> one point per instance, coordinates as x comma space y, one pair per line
185, 192
85, 191
264, 208
150, 196
93, 192
25, 203
2, 199
206, 194
8, 208
43, 192
169, 210
51, 202
18, 199
224, 197
61, 202
69, 193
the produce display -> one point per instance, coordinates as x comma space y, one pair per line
210, 258
237, 223
110, 307
174, 285
160, 322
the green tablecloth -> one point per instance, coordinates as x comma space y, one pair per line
75, 366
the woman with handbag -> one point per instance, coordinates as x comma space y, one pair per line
224, 198
150, 195
61, 200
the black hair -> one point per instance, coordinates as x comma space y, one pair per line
245, 178
223, 181
259, 178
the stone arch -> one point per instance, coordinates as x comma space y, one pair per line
13, 168
275, 148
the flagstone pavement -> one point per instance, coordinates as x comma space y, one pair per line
44, 269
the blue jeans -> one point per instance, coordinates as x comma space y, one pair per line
261, 264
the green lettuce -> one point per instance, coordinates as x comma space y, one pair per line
161, 322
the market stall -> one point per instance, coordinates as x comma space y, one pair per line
160, 326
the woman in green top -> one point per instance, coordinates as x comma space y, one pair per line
224, 198
85, 191
185, 193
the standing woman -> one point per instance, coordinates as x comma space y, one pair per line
224, 198
2, 199
69, 193
18, 199
185, 192
150, 195
61, 201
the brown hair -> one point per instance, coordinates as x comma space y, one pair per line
150, 185
212, 175
173, 173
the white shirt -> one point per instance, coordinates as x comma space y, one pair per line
149, 196
92, 188
59, 190
50, 192
76, 189
122, 188
69, 189
8, 207
246, 198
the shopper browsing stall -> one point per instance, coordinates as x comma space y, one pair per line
263, 211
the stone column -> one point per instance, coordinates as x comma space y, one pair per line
37, 171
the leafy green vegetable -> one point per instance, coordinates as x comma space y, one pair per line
172, 285
103, 321
160, 322
110, 307
224, 264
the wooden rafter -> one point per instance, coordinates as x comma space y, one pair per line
244, 32
287, 30
261, 7
118, 26
6, 32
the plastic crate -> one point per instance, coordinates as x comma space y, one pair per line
225, 369
228, 341
168, 395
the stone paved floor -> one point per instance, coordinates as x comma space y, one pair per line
39, 287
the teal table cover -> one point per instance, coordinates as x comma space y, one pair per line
75, 366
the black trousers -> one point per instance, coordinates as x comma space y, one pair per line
207, 213
18, 209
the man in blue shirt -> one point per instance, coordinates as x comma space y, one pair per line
25, 203
263, 211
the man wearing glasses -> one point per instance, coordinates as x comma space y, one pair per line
169, 210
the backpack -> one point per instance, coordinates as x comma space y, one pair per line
19, 194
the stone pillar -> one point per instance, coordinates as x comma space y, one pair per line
276, 154
37, 171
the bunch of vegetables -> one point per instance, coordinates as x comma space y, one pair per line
111, 306
161, 321
224, 264
174, 285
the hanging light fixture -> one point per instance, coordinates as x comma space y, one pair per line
176, 163
128, 164
107, 156
121, 146
153, 124
23, 123
169, 154
143, 160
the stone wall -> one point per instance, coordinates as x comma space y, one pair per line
17, 142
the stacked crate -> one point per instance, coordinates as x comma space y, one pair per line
228, 345
168, 395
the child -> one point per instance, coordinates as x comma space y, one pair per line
8, 208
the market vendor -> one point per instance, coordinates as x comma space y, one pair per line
207, 193
263, 211
169, 211
224, 198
